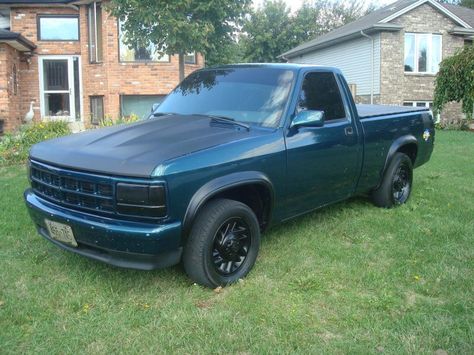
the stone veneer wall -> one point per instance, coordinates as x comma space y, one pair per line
396, 86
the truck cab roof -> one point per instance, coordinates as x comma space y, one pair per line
286, 66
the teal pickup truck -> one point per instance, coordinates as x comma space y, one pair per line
231, 151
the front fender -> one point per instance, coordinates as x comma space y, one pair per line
220, 184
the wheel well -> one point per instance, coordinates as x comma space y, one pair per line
411, 150
257, 196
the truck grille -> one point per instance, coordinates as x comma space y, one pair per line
71, 189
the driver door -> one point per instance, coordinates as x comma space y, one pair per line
323, 163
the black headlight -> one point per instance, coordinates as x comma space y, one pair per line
141, 200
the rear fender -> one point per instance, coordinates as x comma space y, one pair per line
394, 148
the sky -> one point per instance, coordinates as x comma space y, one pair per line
296, 4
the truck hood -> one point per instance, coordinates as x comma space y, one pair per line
136, 149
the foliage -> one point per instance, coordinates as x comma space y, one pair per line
14, 147
272, 30
179, 27
228, 51
350, 278
465, 3
455, 81
109, 121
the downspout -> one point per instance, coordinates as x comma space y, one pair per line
372, 64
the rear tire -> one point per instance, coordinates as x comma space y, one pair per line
396, 185
223, 244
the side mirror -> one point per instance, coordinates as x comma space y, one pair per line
308, 118
154, 107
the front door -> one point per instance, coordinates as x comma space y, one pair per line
60, 87
323, 163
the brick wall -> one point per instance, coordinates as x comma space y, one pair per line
110, 79
396, 86
113, 78
9, 87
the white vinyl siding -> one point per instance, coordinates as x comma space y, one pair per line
353, 59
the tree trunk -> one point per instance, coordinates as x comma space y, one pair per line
181, 67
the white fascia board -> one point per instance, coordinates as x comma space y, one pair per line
421, 2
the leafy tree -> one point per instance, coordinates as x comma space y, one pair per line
272, 30
179, 27
455, 81
266, 32
465, 3
227, 51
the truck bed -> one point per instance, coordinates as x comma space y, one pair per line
367, 111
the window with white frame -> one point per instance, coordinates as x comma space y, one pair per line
94, 15
422, 53
190, 58
136, 53
58, 27
427, 104
5, 19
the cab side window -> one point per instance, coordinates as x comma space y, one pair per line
320, 92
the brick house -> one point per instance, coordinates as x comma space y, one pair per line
68, 60
392, 55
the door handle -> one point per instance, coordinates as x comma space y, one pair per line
349, 131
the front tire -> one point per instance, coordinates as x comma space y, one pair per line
223, 244
397, 182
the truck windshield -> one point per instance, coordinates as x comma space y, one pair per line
255, 96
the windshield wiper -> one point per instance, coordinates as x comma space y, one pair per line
225, 119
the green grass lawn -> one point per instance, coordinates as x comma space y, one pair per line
351, 278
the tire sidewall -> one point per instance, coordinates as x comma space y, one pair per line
239, 210
398, 160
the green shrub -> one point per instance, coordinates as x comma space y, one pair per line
14, 147
108, 121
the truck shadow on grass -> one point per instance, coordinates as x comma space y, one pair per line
274, 242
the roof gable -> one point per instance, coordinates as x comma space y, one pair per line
433, 3
380, 20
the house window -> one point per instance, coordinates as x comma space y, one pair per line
422, 53
14, 80
190, 58
97, 109
136, 53
428, 104
5, 19
58, 28
139, 105
95, 32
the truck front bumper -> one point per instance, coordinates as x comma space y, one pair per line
134, 245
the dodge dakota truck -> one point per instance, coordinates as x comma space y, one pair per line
231, 151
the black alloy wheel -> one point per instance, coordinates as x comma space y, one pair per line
223, 243
231, 246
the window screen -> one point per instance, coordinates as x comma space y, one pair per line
190, 58
320, 92
97, 109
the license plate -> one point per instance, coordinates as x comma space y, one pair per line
61, 232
